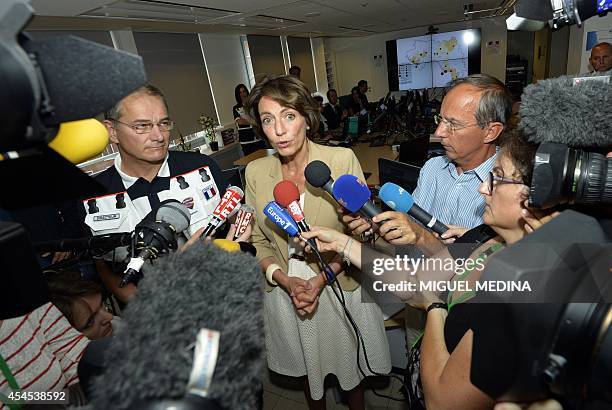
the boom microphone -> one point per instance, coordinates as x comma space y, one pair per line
229, 202
400, 200
568, 110
78, 141
354, 195
149, 362
159, 237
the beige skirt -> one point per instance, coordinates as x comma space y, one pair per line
323, 343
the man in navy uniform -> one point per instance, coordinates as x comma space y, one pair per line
146, 173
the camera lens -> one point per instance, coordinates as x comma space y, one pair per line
594, 182
565, 175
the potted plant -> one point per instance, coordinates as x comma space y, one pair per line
208, 125
183, 145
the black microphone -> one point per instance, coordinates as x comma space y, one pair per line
149, 361
568, 110
318, 175
155, 238
100, 243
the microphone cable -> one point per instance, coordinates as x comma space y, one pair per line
360, 342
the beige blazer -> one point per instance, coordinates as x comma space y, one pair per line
263, 174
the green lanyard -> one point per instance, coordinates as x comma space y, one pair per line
12, 383
467, 295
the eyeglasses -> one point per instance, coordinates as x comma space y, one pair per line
147, 127
502, 180
449, 125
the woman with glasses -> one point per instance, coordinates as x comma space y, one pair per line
439, 362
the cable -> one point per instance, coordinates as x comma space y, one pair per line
360, 342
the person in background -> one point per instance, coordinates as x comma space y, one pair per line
248, 141
332, 111
307, 332
601, 57
82, 302
362, 85
295, 71
355, 106
323, 127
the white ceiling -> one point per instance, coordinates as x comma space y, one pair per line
312, 18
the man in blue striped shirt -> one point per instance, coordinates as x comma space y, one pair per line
474, 113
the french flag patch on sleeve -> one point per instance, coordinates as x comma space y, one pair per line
209, 192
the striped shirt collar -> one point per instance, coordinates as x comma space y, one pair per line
128, 180
481, 171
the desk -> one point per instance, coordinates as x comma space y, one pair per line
368, 158
260, 153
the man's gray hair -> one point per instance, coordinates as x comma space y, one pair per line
147, 89
495, 104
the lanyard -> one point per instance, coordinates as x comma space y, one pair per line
6, 371
451, 302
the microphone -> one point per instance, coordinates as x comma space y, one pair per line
287, 195
245, 215
150, 360
283, 220
158, 237
568, 110
102, 243
354, 195
78, 141
232, 246
229, 202
318, 175
400, 200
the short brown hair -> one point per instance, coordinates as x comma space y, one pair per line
66, 286
288, 91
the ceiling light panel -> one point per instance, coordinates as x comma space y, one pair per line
151, 10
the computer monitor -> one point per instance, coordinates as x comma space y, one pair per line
414, 151
404, 175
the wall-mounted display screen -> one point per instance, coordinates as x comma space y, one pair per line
433, 60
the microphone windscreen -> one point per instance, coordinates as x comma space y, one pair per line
152, 357
558, 110
317, 173
396, 197
351, 193
84, 78
174, 213
227, 245
286, 192
78, 141
248, 247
